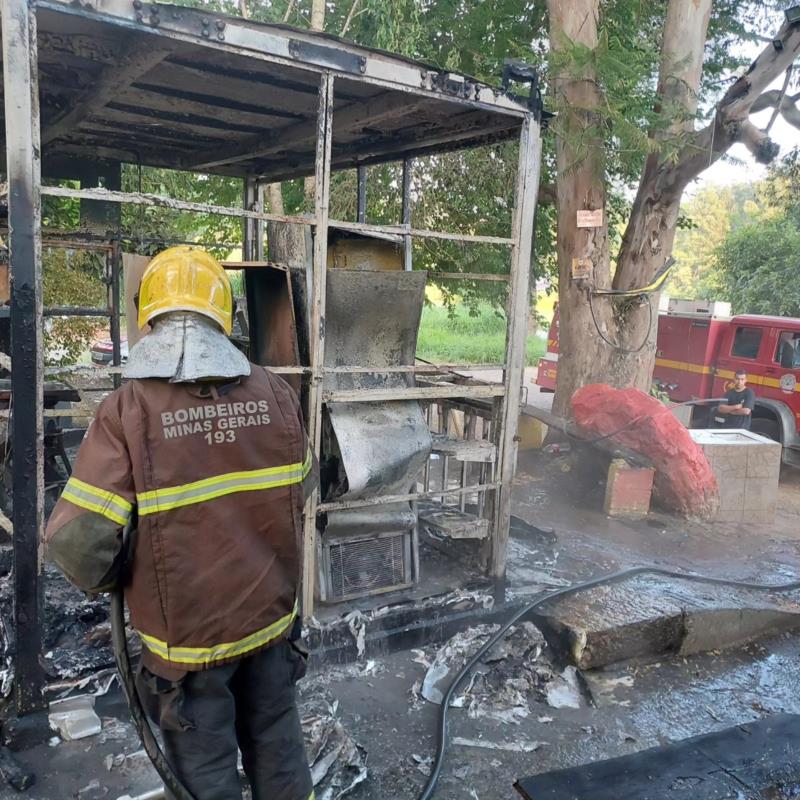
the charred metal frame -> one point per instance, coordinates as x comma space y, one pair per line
21, 84
488, 115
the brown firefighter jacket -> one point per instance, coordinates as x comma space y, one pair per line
215, 476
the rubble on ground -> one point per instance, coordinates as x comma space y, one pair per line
513, 675
338, 763
74, 717
77, 631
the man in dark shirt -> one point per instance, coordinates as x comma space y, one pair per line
737, 410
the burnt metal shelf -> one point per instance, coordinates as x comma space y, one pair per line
151, 86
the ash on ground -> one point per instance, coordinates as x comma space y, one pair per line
507, 684
77, 630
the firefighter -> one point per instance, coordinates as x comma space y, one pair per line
206, 455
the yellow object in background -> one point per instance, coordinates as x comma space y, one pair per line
186, 279
531, 433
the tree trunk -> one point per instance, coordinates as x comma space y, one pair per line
616, 345
580, 185
275, 198
650, 233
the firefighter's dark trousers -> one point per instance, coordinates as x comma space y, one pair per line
207, 717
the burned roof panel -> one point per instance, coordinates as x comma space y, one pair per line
177, 87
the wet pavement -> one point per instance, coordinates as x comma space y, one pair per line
551, 722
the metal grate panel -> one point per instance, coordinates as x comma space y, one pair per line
357, 567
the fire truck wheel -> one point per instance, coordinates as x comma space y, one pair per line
766, 427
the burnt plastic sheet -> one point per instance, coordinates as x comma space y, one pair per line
373, 320
744, 761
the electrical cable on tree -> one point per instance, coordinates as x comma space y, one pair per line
643, 294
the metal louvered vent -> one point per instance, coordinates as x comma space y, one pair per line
354, 567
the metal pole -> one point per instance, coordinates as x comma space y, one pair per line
322, 172
253, 250
362, 193
408, 168
517, 308
253, 247
115, 258
21, 95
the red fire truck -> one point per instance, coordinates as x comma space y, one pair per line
700, 346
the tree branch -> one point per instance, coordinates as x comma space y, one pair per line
779, 103
350, 17
764, 150
289, 10
731, 122
785, 105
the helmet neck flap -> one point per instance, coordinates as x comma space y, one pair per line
185, 347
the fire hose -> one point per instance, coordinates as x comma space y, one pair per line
179, 791
119, 641
603, 580
173, 783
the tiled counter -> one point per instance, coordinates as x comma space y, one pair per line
747, 468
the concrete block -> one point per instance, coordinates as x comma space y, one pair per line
761, 497
730, 461
650, 615
764, 461
747, 468
75, 717
531, 433
628, 490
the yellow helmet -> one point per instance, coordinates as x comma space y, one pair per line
186, 279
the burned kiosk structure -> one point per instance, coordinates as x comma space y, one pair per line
92, 85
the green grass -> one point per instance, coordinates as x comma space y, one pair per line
466, 339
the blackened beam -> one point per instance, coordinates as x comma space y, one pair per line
401, 230
405, 214
193, 120
214, 101
414, 393
401, 498
361, 200
144, 199
392, 148
436, 369
137, 60
21, 100
76, 311
200, 69
375, 112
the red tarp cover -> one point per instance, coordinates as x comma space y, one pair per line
684, 481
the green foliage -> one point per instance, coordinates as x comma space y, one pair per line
462, 336
660, 394
143, 223
707, 219
71, 278
759, 264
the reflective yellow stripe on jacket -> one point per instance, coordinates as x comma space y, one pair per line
219, 485
92, 498
218, 652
